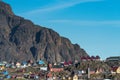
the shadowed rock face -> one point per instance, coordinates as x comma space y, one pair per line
21, 40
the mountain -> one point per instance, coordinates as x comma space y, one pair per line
21, 39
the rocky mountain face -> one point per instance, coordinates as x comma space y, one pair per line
20, 39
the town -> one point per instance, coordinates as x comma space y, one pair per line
88, 68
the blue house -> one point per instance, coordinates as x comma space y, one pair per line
24, 63
8, 76
41, 62
5, 72
8, 65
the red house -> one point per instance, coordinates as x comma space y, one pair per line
55, 68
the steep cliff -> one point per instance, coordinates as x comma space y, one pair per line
20, 39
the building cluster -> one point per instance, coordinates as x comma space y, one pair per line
92, 58
115, 58
50, 71
114, 63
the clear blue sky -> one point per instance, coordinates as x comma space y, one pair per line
93, 24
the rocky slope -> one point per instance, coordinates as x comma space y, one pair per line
20, 39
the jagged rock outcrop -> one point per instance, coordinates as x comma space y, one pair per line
20, 40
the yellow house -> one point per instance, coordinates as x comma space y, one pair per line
118, 70
75, 77
100, 70
2, 67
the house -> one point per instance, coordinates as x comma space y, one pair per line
8, 76
88, 58
80, 73
2, 67
2, 64
99, 70
97, 58
30, 61
69, 78
18, 65
118, 70
36, 77
50, 78
63, 78
24, 64
56, 68
26, 75
5, 73
66, 64
92, 71
13, 66
54, 77
34, 64
70, 62
92, 58
114, 58
49, 75
115, 70
41, 62
29, 64
83, 58
32, 76
76, 61
13, 76
44, 68
75, 72
19, 76
8, 65
75, 77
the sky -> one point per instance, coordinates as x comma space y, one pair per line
93, 24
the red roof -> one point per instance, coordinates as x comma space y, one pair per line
114, 68
66, 63
88, 57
